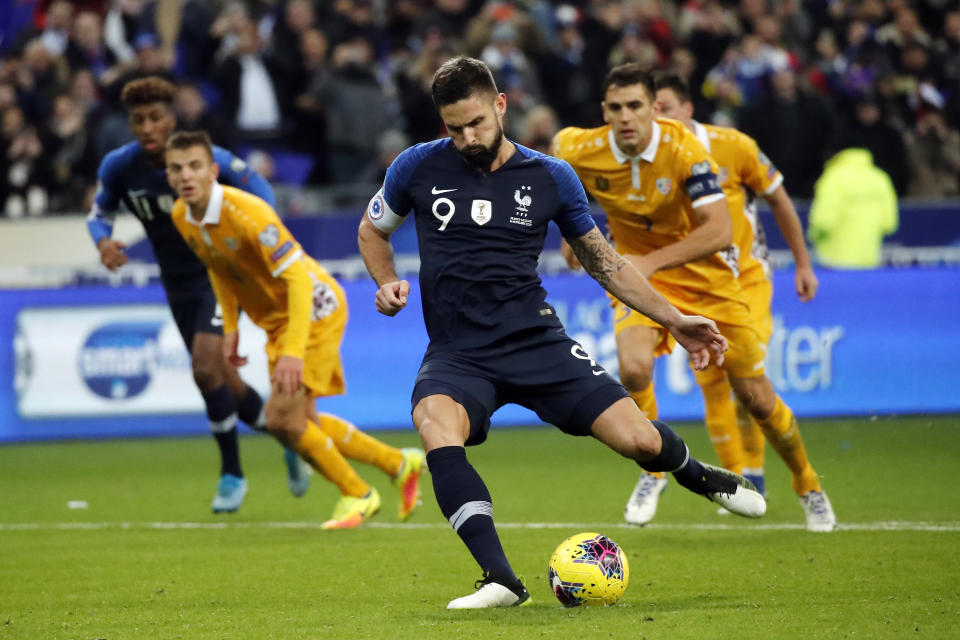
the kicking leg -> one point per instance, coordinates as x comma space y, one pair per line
655, 447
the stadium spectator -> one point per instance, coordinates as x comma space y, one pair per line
253, 89
854, 207
564, 69
86, 49
309, 119
551, 54
391, 143
120, 28
298, 18
24, 167
933, 149
54, 31
193, 114
413, 88
40, 77
356, 110
538, 128
71, 152
868, 130
792, 126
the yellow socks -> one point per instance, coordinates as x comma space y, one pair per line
319, 449
357, 445
780, 428
754, 444
647, 402
721, 417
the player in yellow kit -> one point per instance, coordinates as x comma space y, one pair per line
255, 263
668, 215
745, 174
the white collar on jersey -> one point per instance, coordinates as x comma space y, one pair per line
702, 135
212, 214
647, 154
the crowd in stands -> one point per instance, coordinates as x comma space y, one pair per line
322, 92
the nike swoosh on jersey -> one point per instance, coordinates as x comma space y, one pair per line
436, 191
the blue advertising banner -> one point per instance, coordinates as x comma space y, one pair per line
101, 362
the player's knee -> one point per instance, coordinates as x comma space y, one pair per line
206, 375
640, 442
636, 374
757, 397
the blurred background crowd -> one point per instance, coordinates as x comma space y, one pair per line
327, 92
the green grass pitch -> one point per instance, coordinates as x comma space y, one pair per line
147, 559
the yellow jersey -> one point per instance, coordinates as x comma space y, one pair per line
650, 199
745, 172
255, 263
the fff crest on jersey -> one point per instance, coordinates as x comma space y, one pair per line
269, 236
601, 183
664, 185
481, 211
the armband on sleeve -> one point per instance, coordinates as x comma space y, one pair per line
382, 216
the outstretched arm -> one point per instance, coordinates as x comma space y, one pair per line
715, 232
377, 255
697, 335
787, 219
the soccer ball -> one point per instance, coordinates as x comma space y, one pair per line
590, 569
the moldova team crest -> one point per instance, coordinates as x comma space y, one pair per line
664, 185
481, 211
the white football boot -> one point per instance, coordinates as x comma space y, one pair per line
736, 494
642, 505
819, 511
489, 595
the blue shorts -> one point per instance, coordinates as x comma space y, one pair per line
195, 311
542, 370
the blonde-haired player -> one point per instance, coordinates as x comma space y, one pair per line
255, 263
745, 174
668, 215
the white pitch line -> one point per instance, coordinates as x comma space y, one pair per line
951, 527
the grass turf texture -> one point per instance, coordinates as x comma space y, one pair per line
269, 573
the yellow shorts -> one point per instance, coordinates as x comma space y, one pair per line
322, 366
758, 294
744, 358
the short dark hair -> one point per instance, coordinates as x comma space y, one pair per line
626, 75
187, 139
147, 90
460, 78
676, 83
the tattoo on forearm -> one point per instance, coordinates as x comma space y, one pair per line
597, 257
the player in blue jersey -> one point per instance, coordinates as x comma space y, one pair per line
135, 174
481, 204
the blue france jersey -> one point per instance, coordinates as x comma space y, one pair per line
480, 237
126, 176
